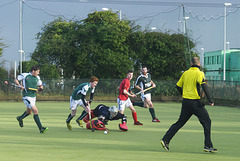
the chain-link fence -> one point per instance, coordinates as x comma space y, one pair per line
226, 93
105, 87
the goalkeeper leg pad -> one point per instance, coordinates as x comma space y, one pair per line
123, 127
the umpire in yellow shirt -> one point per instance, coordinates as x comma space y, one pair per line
189, 87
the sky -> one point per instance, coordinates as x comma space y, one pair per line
205, 24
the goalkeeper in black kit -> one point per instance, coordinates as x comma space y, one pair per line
104, 114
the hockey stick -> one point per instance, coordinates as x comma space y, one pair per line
144, 90
18, 86
92, 129
90, 119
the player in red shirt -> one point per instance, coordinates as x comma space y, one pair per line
123, 98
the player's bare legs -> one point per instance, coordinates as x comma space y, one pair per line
148, 103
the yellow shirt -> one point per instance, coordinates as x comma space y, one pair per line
190, 82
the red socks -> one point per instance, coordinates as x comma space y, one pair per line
134, 115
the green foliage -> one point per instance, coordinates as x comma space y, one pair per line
162, 53
106, 47
165, 88
46, 70
2, 46
103, 39
3, 73
89, 47
55, 45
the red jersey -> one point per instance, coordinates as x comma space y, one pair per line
125, 84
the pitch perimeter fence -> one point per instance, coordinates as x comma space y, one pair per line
223, 92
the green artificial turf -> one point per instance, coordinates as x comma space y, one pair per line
140, 143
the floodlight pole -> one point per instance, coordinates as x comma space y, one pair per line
20, 35
186, 37
184, 24
225, 39
120, 15
202, 58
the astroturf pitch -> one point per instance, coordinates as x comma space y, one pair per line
140, 143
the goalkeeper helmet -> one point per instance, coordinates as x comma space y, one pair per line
113, 111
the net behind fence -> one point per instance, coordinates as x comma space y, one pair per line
225, 93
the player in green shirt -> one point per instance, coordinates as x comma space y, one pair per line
143, 82
30, 80
78, 98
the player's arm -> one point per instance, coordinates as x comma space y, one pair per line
103, 114
205, 89
153, 84
103, 119
179, 89
137, 84
39, 84
16, 81
91, 98
40, 88
83, 100
129, 94
138, 87
179, 85
202, 82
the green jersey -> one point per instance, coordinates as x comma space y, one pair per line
29, 81
144, 82
82, 89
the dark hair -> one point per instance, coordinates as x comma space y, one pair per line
130, 71
144, 66
35, 68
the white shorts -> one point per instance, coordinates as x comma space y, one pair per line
122, 104
75, 103
144, 96
29, 101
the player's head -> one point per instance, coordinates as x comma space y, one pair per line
113, 111
93, 81
195, 61
35, 70
130, 74
144, 69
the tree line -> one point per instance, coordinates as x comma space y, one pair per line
104, 46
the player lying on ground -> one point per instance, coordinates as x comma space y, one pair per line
104, 114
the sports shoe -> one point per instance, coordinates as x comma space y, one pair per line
138, 123
20, 121
79, 122
155, 120
210, 149
165, 145
69, 126
43, 129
